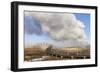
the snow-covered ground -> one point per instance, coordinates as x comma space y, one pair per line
39, 59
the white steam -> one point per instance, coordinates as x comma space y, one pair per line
60, 26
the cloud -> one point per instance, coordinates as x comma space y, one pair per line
60, 26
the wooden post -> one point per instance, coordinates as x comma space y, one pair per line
61, 57
56, 56
84, 57
72, 57
51, 54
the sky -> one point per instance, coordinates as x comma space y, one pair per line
56, 28
85, 18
